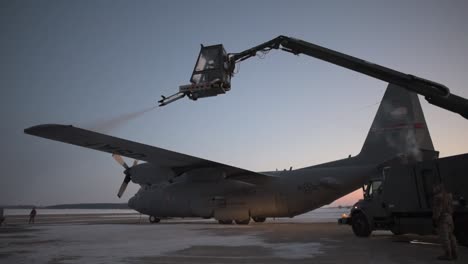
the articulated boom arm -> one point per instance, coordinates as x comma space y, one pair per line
214, 68
435, 93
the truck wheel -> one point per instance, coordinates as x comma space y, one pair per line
154, 219
361, 226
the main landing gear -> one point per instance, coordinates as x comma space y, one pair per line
225, 222
259, 219
242, 222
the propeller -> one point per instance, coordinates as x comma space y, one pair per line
127, 178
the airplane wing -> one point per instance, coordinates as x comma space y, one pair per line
178, 162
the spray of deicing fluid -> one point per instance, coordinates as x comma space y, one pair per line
106, 125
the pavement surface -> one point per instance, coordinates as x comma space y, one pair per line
127, 238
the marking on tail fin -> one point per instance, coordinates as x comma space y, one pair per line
400, 126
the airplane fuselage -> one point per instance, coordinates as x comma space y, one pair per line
290, 193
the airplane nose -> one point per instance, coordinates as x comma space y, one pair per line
132, 203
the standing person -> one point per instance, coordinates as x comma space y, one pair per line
442, 211
32, 215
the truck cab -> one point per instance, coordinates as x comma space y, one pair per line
400, 200
372, 207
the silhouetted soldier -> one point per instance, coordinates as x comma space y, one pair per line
32, 215
442, 210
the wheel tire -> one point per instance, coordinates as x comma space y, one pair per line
225, 222
259, 219
242, 222
360, 225
154, 219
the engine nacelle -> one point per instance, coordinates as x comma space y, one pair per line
147, 173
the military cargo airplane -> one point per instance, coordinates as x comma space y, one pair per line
179, 185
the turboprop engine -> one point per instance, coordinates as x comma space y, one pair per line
147, 173
144, 174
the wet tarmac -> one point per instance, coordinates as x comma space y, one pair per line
129, 238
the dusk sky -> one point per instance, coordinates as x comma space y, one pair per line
86, 63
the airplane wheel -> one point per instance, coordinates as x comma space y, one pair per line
242, 222
360, 225
154, 219
225, 222
259, 219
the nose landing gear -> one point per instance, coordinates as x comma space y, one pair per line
154, 219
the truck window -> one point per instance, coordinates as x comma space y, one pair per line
365, 190
374, 187
385, 172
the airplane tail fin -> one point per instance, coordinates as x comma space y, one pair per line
399, 130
